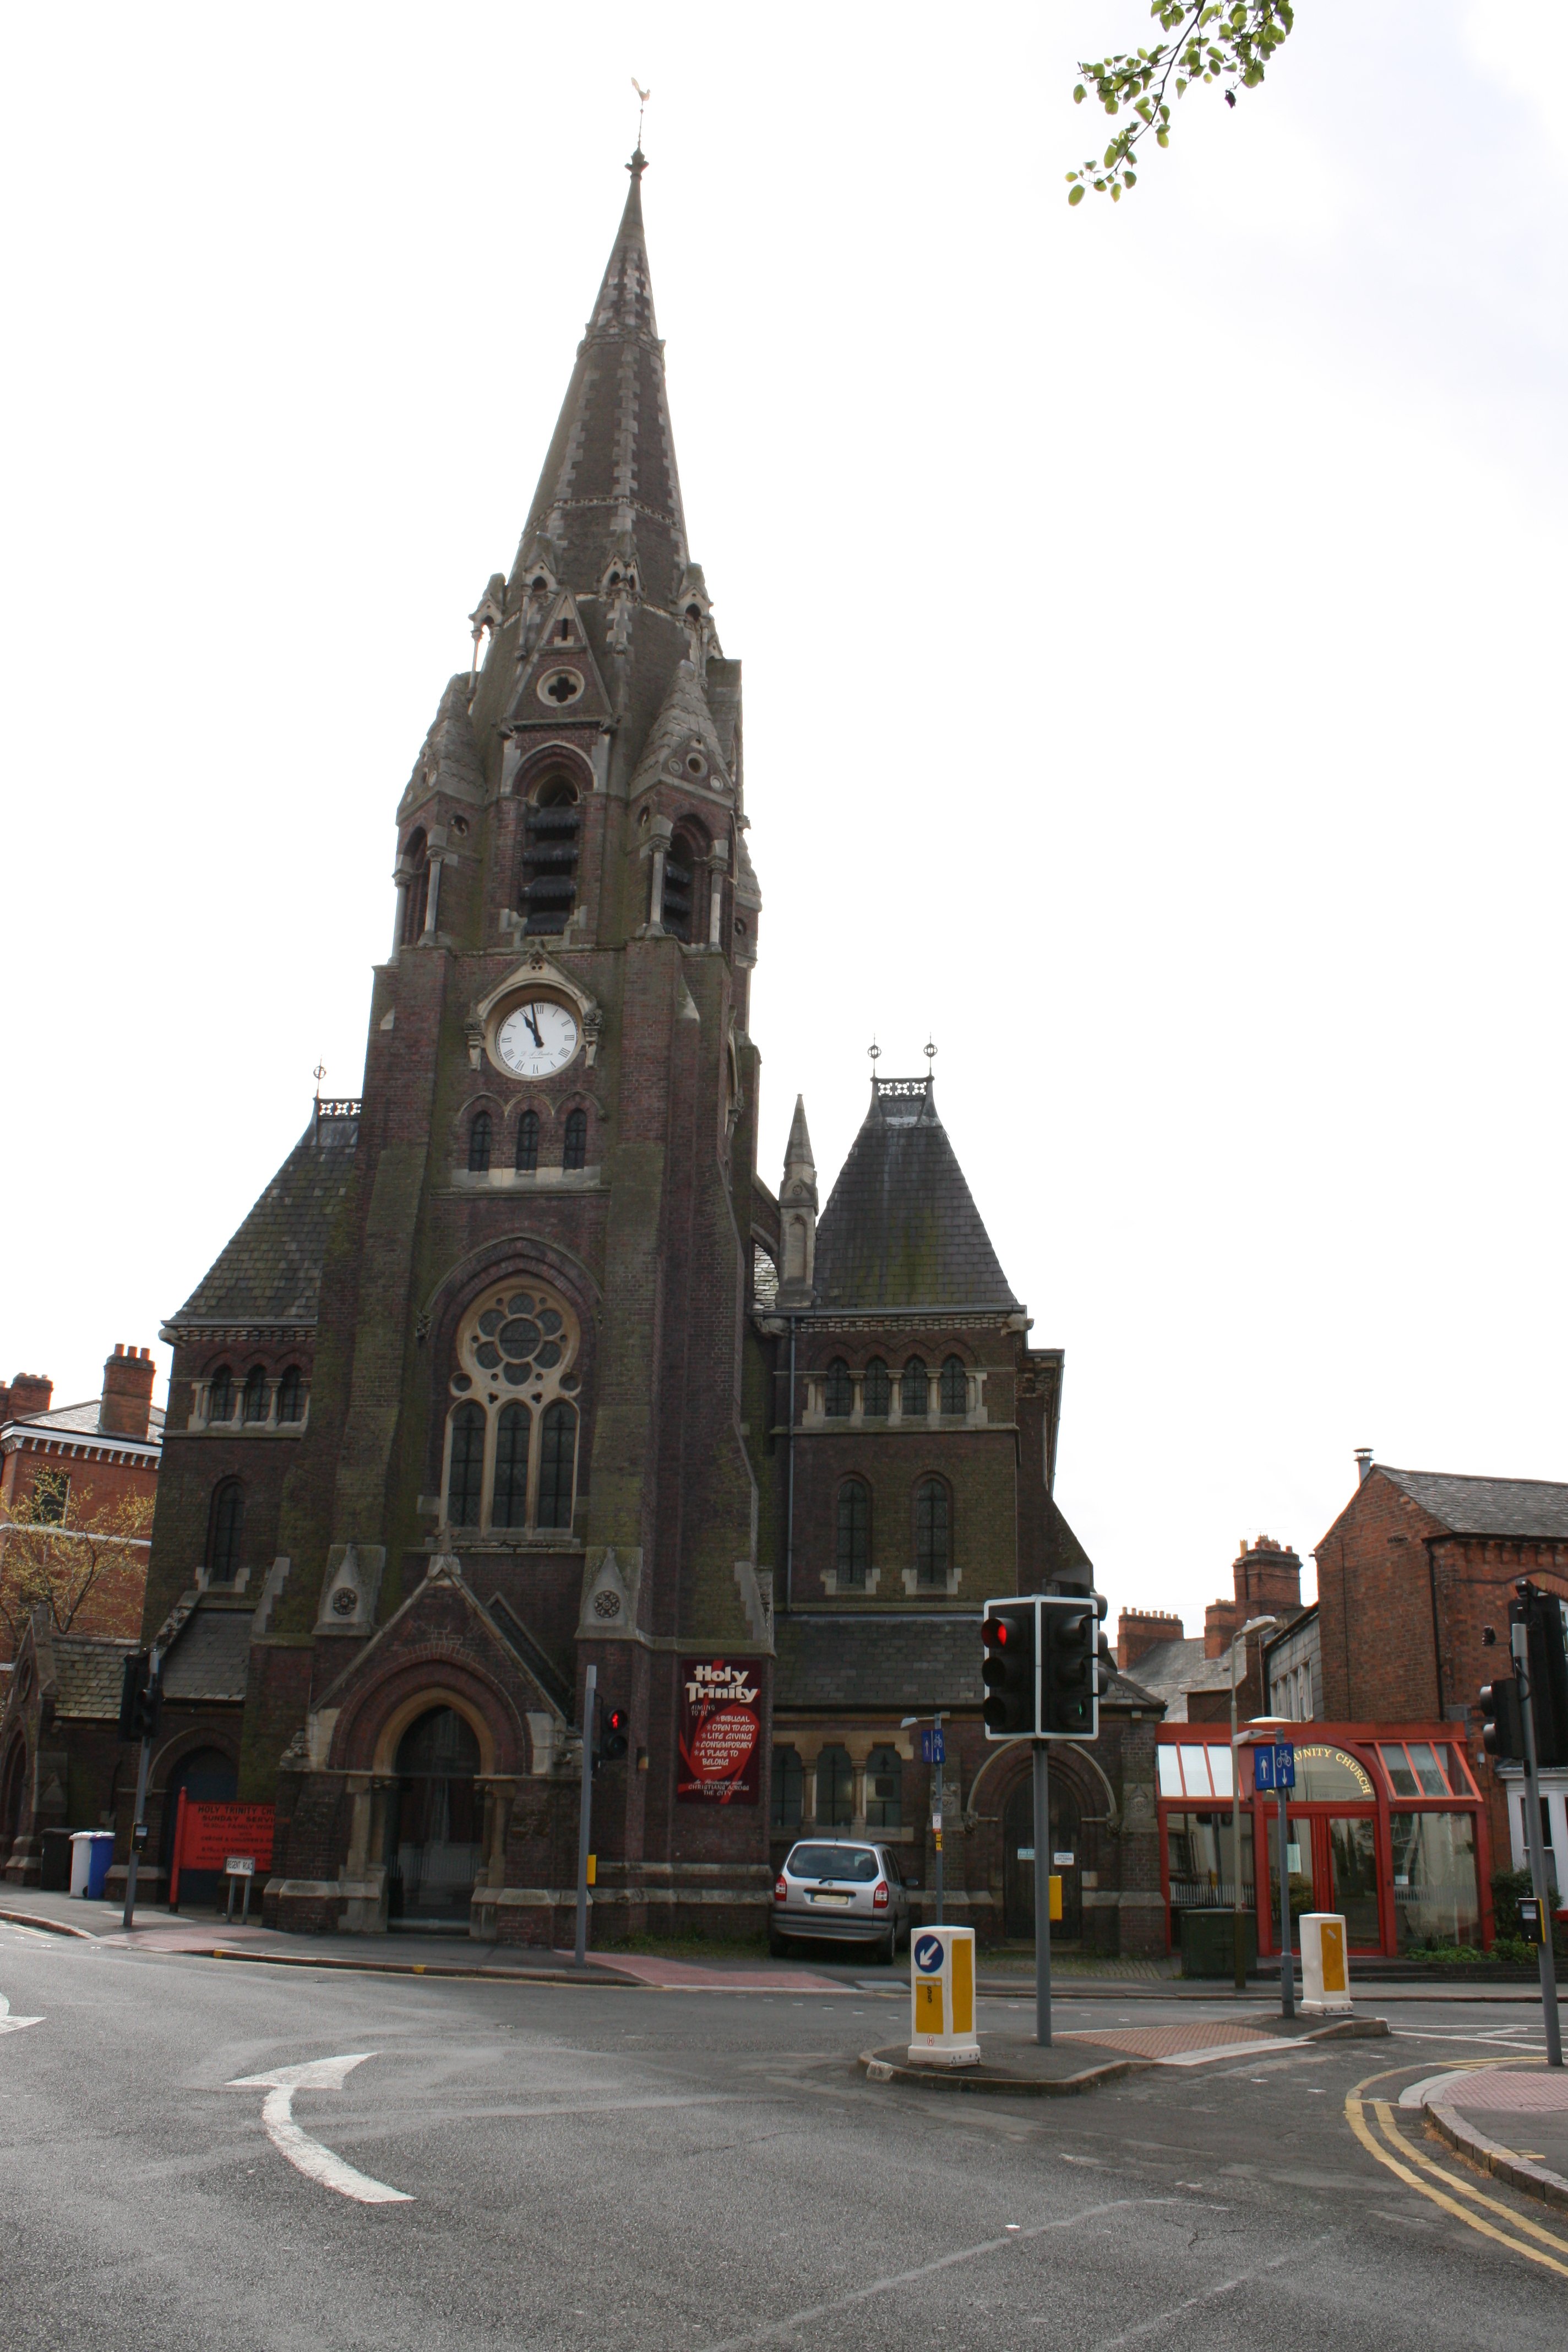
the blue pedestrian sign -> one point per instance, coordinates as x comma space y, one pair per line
933, 1746
1274, 1767
928, 1953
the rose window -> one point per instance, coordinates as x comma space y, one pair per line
511, 1441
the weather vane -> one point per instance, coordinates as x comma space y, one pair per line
643, 97
875, 1053
319, 1073
929, 1049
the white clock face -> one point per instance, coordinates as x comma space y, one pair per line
537, 1038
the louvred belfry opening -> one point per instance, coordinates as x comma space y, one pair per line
552, 834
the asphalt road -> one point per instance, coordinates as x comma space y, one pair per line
600, 2168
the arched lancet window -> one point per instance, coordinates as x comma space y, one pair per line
254, 1404
224, 1530
465, 1479
789, 1788
528, 1143
915, 1399
478, 1143
839, 1390
551, 835
508, 1494
557, 1465
220, 1395
416, 857
878, 1390
684, 860
954, 1386
854, 1532
884, 1790
575, 1152
291, 1395
933, 1535
834, 1789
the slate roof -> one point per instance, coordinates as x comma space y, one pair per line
684, 721
1534, 1508
846, 1664
89, 1670
81, 1421
613, 452
448, 758
1170, 1669
211, 1656
900, 1228
271, 1270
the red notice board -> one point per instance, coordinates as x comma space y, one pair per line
720, 1733
206, 1834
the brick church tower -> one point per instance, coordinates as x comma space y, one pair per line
459, 1409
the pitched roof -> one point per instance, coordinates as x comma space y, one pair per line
882, 1659
449, 758
900, 1228
611, 462
1532, 1507
82, 1420
684, 722
89, 1669
211, 1655
1170, 1670
270, 1272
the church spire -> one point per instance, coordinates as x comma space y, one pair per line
610, 492
797, 1213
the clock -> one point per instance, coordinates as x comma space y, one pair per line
537, 1037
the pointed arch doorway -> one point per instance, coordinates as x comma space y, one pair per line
434, 1821
1018, 1862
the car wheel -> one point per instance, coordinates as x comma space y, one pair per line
886, 1949
778, 1945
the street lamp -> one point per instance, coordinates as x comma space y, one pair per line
1253, 1625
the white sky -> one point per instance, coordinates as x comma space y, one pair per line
1151, 620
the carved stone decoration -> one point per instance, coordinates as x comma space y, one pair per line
610, 1582
350, 1588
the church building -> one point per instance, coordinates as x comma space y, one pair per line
518, 1366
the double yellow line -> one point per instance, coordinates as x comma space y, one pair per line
1520, 2232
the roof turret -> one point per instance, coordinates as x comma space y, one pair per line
900, 1228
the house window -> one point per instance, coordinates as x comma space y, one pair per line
854, 1532
834, 1789
253, 1404
877, 1390
51, 1497
479, 1143
839, 1390
509, 1495
528, 1143
417, 856
465, 1479
220, 1395
954, 1386
515, 1370
291, 1395
884, 1790
916, 1394
931, 1535
557, 1462
576, 1151
789, 1789
224, 1530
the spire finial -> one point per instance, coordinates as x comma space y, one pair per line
638, 164
929, 1049
874, 1052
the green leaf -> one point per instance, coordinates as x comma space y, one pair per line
1079, 95
1075, 195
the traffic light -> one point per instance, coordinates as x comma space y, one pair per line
140, 1695
1541, 1614
1009, 1639
1502, 1735
1070, 1668
612, 1733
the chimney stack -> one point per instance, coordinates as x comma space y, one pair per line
1363, 1464
125, 1408
28, 1393
1139, 1631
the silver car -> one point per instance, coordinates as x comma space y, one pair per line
840, 1887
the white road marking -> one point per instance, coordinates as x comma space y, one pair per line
308, 2156
9, 2024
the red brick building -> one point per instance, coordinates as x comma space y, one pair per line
75, 1465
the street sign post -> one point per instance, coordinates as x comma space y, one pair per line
933, 1746
1522, 1611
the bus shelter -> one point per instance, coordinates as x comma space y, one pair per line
1386, 1825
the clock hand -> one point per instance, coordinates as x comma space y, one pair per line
532, 1017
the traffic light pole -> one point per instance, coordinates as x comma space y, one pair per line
1518, 1639
585, 1813
1287, 1953
1043, 1893
940, 1776
137, 1818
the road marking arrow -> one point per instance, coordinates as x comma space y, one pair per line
308, 2156
9, 2024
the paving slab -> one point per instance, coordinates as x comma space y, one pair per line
1076, 2062
1510, 2120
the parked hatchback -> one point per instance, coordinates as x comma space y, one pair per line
841, 1888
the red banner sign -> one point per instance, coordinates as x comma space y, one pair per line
720, 1733
206, 1834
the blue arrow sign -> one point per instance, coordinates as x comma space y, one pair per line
928, 1953
933, 1747
1274, 1767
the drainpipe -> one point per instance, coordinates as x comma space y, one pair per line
789, 1508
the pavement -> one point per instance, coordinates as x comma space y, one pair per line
311, 2158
